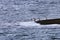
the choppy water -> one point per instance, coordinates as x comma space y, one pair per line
16, 23
29, 31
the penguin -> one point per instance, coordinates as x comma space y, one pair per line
36, 20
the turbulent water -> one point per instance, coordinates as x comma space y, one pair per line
16, 23
29, 30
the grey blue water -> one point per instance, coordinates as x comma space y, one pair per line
16, 23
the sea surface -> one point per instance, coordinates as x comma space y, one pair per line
16, 19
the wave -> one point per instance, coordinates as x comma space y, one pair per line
30, 24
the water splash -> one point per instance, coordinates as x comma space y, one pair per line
29, 24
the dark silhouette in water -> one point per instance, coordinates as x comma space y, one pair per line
55, 38
48, 21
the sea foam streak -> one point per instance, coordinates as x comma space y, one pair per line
30, 24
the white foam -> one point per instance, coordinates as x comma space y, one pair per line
30, 23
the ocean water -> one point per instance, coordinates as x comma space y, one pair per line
29, 30
16, 23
